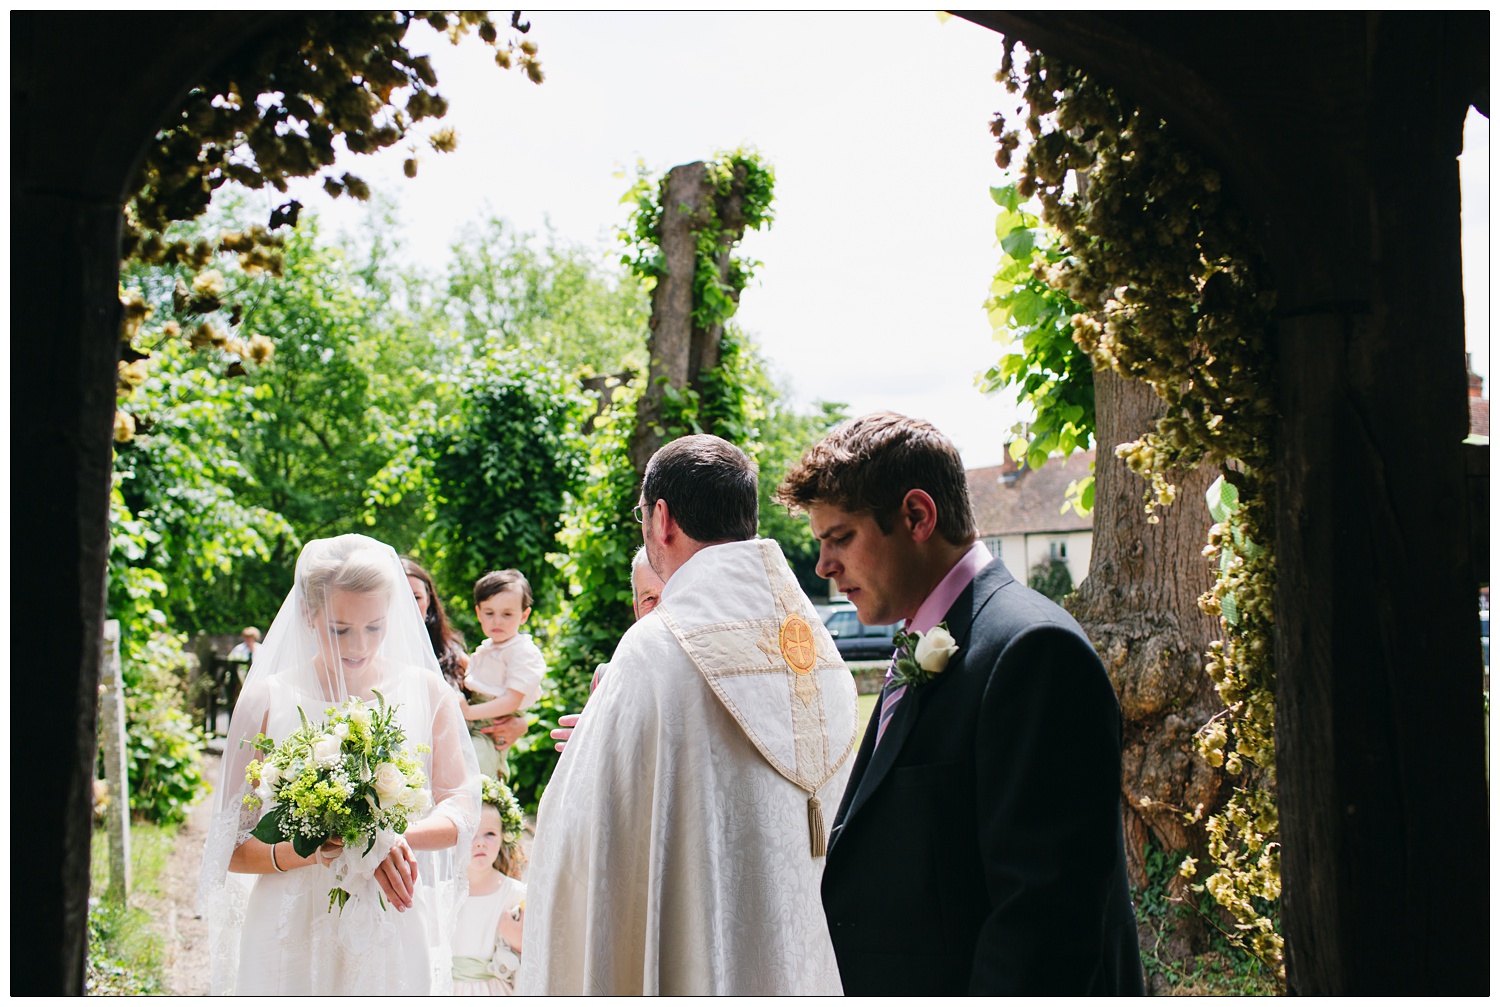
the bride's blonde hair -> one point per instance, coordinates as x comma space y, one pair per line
346, 563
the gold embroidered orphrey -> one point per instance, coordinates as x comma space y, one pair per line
721, 651
797, 644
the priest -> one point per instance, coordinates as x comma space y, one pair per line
679, 846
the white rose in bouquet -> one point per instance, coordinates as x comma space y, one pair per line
388, 781
414, 800
326, 751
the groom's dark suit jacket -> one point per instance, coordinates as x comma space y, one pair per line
979, 849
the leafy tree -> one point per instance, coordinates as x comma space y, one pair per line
180, 524
503, 468
558, 299
1176, 319
598, 540
681, 243
1051, 577
309, 440
271, 113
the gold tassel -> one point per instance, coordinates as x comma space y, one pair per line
815, 826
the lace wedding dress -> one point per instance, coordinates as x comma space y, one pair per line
274, 933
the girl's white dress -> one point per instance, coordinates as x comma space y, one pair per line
484, 965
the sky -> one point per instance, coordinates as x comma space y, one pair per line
1474, 179
875, 270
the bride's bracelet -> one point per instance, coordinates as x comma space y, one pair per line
277, 867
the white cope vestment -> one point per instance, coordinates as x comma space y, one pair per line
679, 843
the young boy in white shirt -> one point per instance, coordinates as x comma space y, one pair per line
505, 673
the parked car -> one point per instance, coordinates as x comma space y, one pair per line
858, 642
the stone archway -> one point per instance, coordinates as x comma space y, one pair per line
1338, 131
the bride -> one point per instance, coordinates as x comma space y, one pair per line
349, 628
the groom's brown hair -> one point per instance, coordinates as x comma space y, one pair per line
869, 464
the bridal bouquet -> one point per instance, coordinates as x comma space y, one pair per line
352, 776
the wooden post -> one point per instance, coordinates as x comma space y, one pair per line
116, 774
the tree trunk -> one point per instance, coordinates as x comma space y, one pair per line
685, 209
680, 350
1139, 605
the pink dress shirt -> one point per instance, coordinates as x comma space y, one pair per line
929, 614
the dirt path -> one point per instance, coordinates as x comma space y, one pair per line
183, 932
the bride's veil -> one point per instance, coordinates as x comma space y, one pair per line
349, 627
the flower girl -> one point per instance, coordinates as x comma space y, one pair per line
487, 940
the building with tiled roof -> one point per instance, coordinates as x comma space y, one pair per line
1479, 408
1019, 514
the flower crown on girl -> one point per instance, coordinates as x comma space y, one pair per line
498, 796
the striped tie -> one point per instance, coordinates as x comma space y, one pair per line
888, 701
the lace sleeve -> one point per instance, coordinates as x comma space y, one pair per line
455, 772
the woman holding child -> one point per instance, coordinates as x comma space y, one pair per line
447, 642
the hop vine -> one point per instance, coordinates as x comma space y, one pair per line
1173, 292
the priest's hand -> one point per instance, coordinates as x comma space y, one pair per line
565, 725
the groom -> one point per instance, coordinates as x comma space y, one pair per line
978, 847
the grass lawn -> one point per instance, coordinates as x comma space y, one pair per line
125, 950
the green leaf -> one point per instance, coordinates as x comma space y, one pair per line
1019, 243
269, 829
1006, 196
1005, 223
305, 845
1223, 500
1024, 307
